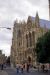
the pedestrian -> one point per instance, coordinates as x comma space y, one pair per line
17, 67
1, 66
38, 68
27, 67
43, 67
22, 68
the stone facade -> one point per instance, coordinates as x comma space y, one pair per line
25, 35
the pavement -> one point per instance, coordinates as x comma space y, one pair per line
12, 71
3, 72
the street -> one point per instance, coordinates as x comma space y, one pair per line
10, 71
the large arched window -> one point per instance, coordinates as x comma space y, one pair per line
19, 33
30, 39
19, 37
27, 40
33, 38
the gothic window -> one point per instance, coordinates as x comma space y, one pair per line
30, 39
19, 43
33, 38
19, 33
19, 37
29, 59
27, 40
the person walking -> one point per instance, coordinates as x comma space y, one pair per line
1, 66
43, 67
22, 68
17, 67
27, 67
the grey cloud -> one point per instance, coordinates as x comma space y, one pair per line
38, 2
14, 7
18, 8
35, 2
41, 4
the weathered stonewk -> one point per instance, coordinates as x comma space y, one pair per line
25, 35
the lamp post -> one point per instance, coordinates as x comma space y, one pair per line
6, 28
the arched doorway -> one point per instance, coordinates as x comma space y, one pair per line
29, 59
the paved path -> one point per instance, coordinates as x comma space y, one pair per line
10, 71
32, 72
3, 72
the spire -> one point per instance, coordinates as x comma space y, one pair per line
37, 24
29, 19
29, 22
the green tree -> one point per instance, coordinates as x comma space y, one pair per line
43, 48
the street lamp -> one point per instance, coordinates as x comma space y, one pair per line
6, 28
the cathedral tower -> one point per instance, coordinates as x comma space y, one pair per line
37, 20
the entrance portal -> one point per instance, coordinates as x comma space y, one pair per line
29, 59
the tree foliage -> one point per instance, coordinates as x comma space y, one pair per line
43, 48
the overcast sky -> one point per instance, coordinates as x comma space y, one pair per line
21, 9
